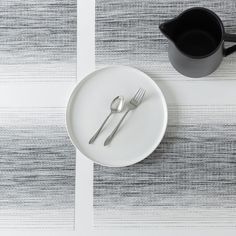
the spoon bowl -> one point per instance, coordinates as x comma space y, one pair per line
116, 106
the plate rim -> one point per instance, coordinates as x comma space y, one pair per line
80, 84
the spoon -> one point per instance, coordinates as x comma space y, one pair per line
116, 106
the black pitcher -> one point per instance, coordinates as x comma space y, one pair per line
196, 42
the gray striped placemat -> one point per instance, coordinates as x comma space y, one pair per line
37, 160
189, 180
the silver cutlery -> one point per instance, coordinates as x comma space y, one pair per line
116, 106
133, 104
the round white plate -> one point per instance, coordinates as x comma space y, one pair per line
142, 130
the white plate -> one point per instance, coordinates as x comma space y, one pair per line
142, 130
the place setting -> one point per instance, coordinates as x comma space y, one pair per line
117, 116
114, 110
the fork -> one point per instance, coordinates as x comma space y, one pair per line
133, 104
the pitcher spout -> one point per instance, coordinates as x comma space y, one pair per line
169, 28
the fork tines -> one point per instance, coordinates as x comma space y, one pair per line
138, 97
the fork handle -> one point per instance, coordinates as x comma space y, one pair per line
111, 136
99, 130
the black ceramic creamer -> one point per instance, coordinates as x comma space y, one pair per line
196, 42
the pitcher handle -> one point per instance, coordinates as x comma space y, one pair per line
229, 38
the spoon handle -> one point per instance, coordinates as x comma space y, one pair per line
111, 136
99, 130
